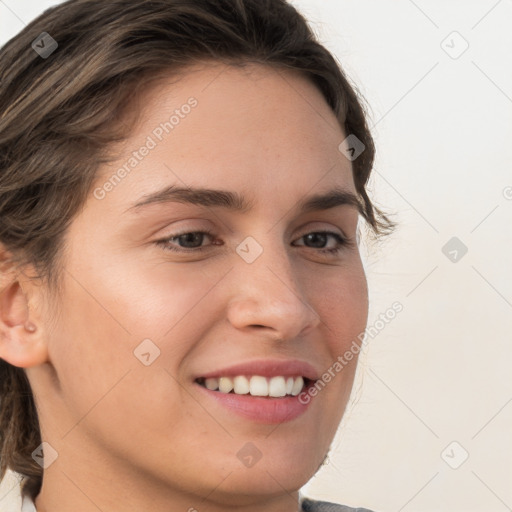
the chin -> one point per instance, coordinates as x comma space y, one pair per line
278, 470
248, 487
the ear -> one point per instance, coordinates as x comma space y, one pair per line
21, 330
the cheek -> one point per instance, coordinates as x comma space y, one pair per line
101, 380
153, 298
90, 352
129, 301
343, 308
105, 318
342, 303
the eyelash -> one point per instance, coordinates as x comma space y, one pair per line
342, 241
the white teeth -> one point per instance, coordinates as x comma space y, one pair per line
297, 386
225, 384
289, 385
256, 385
277, 386
212, 383
241, 385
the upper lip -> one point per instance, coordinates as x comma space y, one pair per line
267, 368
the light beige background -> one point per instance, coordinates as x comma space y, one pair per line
434, 385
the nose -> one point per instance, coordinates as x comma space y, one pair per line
267, 294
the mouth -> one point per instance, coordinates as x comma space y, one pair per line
266, 391
279, 386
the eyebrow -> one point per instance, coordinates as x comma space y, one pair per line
235, 202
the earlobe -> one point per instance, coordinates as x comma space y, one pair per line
21, 343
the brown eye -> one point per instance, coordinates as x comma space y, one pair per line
320, 237
192, 241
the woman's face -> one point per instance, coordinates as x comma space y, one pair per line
139, 323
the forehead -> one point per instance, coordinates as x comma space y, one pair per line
222, 126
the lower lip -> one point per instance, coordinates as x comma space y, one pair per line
260, 409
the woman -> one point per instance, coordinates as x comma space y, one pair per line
180, 188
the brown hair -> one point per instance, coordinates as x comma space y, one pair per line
59, 116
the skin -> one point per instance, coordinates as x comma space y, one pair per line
135, 437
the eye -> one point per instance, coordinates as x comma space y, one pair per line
319, 237
191, 237
194, 238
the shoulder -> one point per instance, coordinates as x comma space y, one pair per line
14, 493
309, 505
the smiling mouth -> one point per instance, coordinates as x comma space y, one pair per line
257, 385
